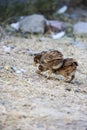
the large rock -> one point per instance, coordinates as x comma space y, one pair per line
33, 24
80, 27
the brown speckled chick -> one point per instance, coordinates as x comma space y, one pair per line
52, 59
68, 69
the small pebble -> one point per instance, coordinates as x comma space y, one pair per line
7, 49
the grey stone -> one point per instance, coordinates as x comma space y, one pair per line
55, 25
80, 27
34, 24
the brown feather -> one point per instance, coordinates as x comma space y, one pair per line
68, 68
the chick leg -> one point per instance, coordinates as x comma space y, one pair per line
66, 79
49, 73
72, 77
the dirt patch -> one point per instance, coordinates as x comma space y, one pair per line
29, 101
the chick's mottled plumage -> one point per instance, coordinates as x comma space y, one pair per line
51, 60
54, 62
67, 69
51, 55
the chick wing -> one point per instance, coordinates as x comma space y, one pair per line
51, 56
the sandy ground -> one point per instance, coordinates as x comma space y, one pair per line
29, 101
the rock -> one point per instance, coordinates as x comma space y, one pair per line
62, 10
15, 26
55, 26
58, 35
80, 28
7, 49
33, 24
32, 53
17, 71
78, 13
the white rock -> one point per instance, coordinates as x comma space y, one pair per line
62, 10
23, 70
18, 71
7, 49
58, 35
15, 26
31, 53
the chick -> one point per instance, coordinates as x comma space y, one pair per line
68, 69
52, 59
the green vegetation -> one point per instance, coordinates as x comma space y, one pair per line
40, 6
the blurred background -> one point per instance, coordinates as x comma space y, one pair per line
29, 101
10, 8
